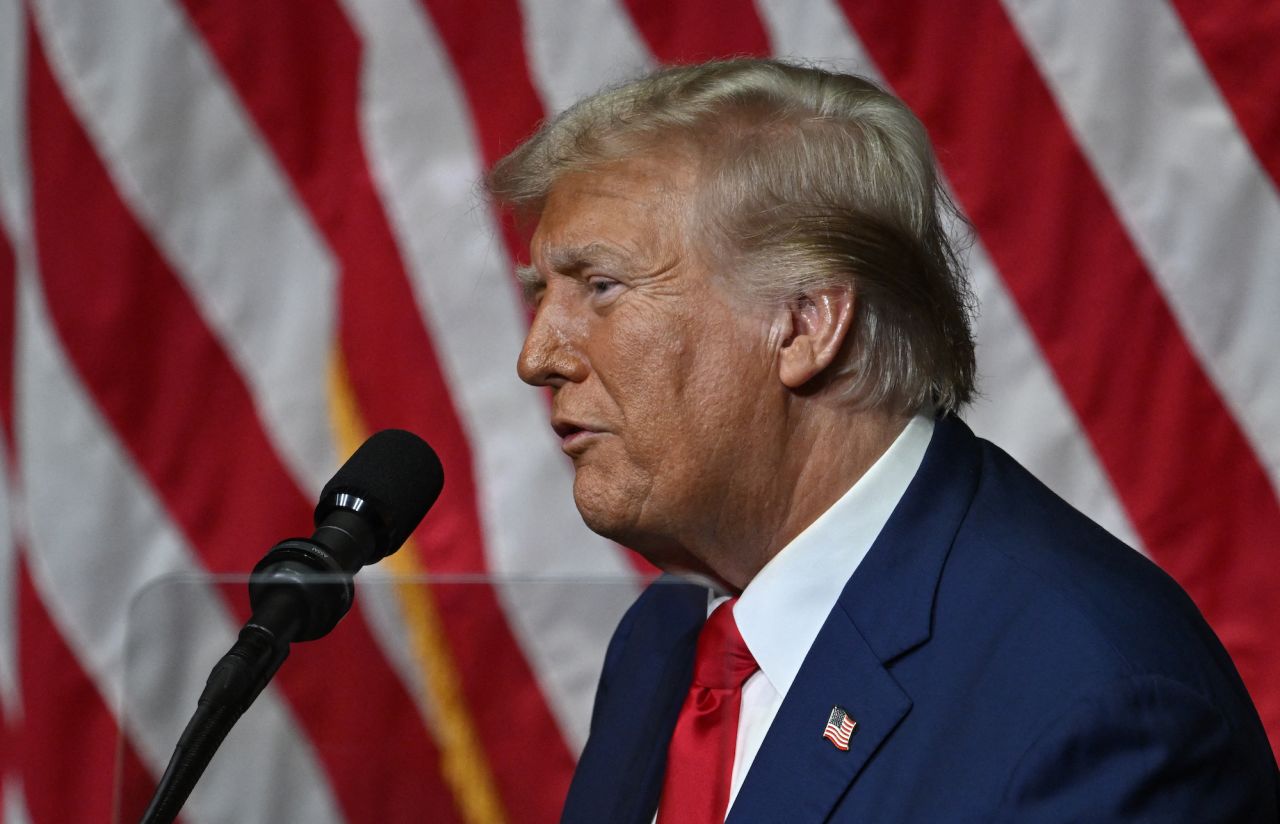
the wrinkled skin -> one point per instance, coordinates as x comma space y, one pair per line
669, 390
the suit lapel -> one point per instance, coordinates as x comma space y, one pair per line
885, 611
620, 773
890, 596
798, 770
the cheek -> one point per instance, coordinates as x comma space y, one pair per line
684, 385
726, 374
714, 404
644, 367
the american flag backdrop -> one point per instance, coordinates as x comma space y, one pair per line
237, 236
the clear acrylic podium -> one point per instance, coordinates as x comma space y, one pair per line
461, 699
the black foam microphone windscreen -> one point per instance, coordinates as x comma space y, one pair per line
398, 475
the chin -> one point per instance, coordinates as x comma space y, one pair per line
610, 508
613, 511
604, 509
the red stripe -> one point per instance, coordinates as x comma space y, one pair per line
1240, 43
680, 31
8, 324
1154, 417
485, 43
68, 739
305, 98
7, 767
171, 394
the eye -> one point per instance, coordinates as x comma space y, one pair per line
601, 286
532, 292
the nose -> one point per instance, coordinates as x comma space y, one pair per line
552, 354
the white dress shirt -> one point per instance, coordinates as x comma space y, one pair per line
782, 609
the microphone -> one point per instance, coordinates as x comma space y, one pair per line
301, 589
365, 513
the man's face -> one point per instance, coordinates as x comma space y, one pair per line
659, 376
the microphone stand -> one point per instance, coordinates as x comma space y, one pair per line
302, 588
298, 592
235, 682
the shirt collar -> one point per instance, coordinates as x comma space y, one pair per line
782, 609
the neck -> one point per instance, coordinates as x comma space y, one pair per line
826, 450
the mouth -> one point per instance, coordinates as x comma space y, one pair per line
573, 436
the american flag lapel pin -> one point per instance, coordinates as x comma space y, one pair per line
840, 726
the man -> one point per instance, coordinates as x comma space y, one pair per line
756, 335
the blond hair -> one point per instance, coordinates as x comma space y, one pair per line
806, 179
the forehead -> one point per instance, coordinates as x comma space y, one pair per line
622, 209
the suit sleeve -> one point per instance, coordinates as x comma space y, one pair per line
1142, 749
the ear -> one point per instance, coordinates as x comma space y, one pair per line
818, 323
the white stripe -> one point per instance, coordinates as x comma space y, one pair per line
197, 176
1016, 383
96, 535
462, 282
577, 47
10, 696
814, 30
15, 805
1187, 186
14, 203
381, 605
13, 55
1023, 409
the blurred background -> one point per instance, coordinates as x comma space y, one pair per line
236, 237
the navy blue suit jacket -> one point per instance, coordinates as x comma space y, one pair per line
1006, 660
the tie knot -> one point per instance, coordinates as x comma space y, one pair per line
722, 660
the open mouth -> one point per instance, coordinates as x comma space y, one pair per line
573, 437
567, 430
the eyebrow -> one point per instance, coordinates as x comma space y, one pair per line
572, 258
527, 275
569, 260
530, 283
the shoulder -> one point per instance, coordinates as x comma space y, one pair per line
1055, 567
1104, 656
1143, 747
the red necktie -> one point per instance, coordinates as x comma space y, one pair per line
700, 756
